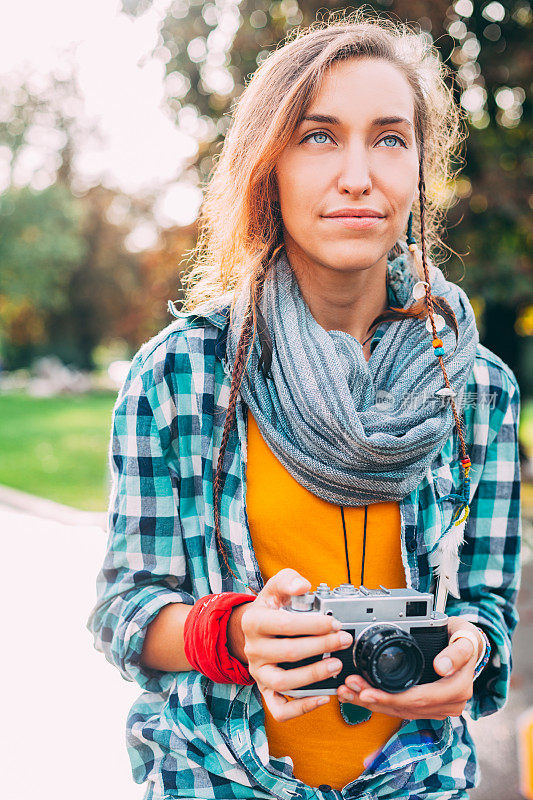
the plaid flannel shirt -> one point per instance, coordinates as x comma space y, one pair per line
189, 737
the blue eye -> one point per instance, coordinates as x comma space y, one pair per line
323, 133
316, 133
393, 136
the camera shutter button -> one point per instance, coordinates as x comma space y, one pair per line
345, 589
302, 602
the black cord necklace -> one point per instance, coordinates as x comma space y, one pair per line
353, 714
346, 547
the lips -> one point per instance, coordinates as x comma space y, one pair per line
356, 222
349, 212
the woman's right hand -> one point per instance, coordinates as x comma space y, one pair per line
263, 621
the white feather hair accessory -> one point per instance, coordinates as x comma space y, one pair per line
445, 563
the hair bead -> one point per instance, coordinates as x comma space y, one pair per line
438, 321
410, 239
419, 289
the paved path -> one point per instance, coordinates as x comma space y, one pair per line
64, 706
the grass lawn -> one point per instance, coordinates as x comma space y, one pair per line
56, 447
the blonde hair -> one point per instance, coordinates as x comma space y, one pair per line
240, 221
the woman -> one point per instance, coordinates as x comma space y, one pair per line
289, 428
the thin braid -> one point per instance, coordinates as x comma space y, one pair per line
429, 302
249, 325
238, 372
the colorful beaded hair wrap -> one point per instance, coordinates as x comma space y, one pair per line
434, 324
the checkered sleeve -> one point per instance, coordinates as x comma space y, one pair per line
144, 565
489, 573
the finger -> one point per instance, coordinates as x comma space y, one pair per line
455, 682
445, 691
371, 697
425, 712
270, 622
347, 696
454, 657
283, 680
366, 692
275, 650
357, 683
283, 709
279, 588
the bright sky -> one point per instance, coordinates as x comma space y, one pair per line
122, 87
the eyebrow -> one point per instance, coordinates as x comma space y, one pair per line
376, 123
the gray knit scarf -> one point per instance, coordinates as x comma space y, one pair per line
350, 431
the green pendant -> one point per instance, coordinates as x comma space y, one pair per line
353, 714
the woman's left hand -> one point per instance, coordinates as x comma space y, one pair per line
446, 697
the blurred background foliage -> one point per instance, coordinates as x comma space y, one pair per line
68, 283
84, 279
75, 283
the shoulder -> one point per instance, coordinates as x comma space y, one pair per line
491, 371
492, 396
491, 376
168, 374
185, 346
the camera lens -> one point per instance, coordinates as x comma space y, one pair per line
388, 658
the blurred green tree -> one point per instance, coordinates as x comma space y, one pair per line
40, 246
67, 280
105, 297
492, 223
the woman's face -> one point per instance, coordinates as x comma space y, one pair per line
357, 160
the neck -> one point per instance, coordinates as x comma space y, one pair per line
341, 300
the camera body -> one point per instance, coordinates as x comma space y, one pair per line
396, 636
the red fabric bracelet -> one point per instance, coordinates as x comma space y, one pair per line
205, 638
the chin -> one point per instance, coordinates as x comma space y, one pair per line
357, 253
352, 258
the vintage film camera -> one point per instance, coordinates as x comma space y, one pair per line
396, 636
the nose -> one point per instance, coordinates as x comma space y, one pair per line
355, 174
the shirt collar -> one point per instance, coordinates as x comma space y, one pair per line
220, 319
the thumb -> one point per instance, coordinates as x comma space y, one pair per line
279, 588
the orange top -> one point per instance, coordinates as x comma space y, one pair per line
283, 515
